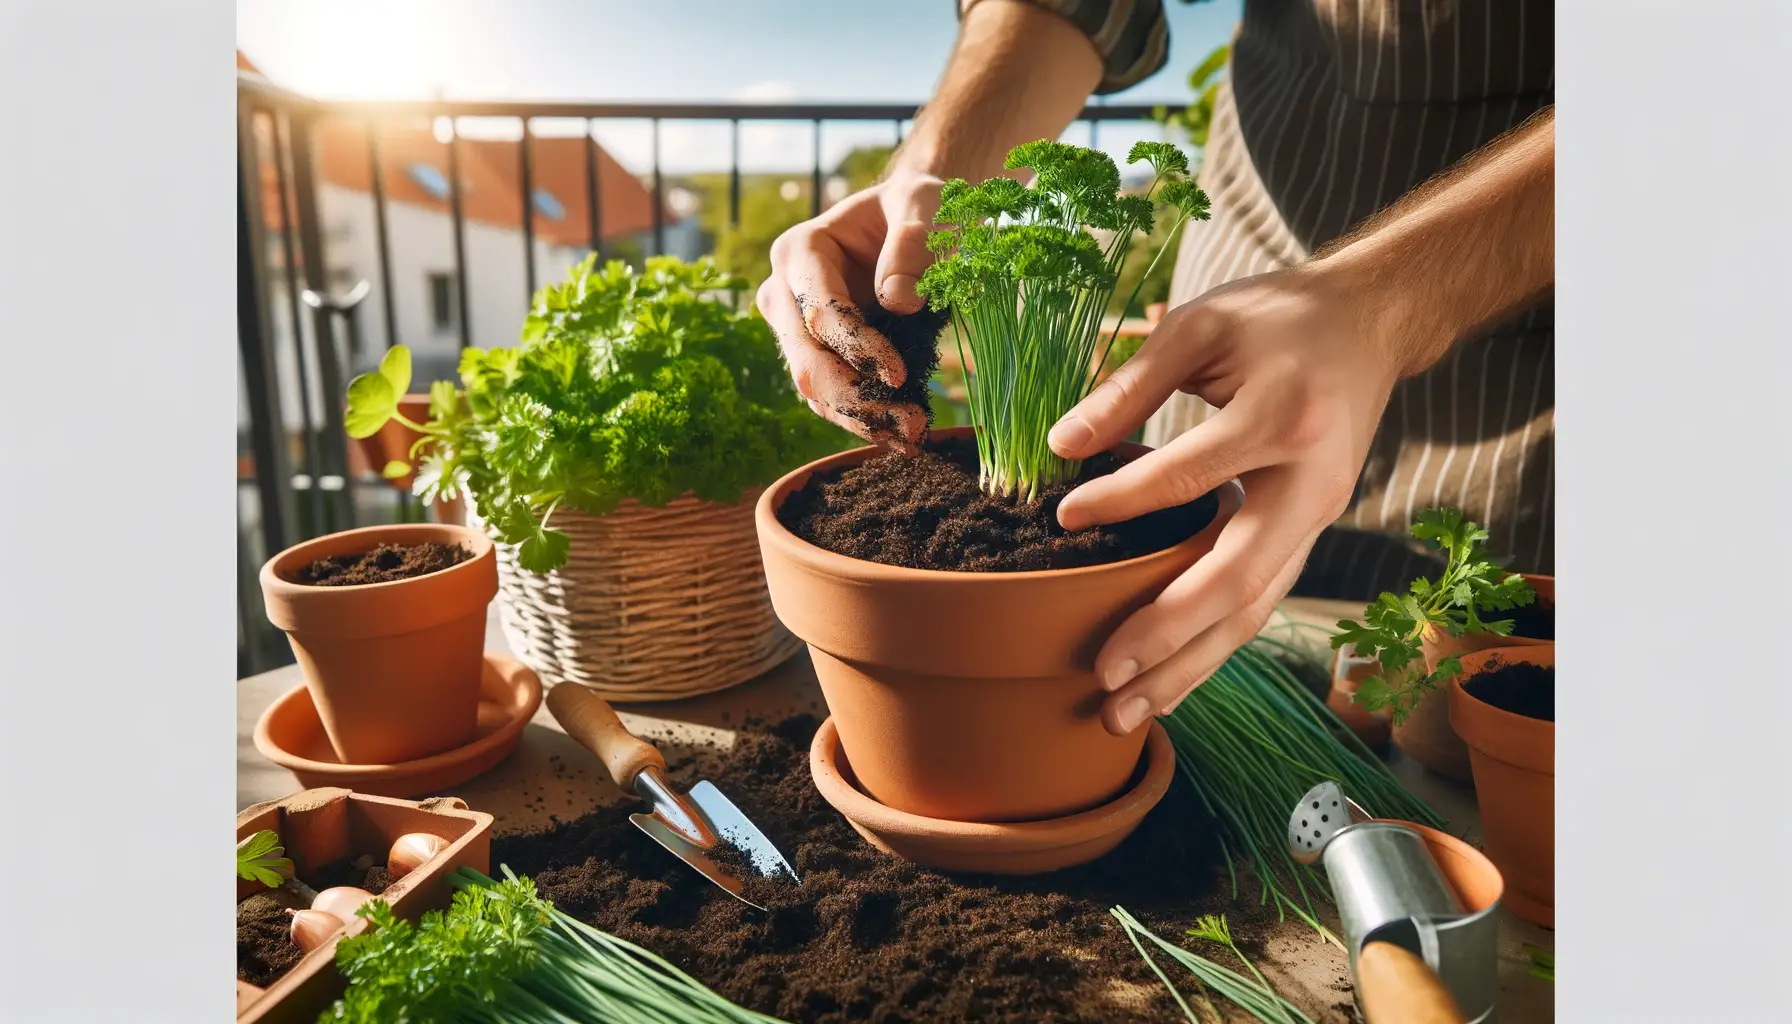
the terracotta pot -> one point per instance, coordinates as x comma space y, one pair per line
1514, 761
393, 668
1348, 672
321, 826
394, 440
1426, 735
968, 697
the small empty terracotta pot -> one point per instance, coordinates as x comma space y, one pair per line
967, 696
394, 668
1017, 848
1426, 735
1514, 763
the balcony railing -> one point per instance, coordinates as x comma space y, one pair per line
300, 320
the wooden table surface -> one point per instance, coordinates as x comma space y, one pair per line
526, 792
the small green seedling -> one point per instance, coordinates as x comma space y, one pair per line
1393, 628
261, 858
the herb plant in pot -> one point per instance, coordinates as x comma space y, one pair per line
614, 455
1503, 707
1451, 610
952, 623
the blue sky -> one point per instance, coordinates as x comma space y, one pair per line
618, 50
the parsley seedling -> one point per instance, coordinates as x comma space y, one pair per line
1027, 273
1393, 628
261, 858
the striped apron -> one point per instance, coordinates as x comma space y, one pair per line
1331, 110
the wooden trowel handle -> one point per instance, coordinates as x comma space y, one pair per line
1398, 987
588, 718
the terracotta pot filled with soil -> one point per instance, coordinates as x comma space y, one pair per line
1426, 735
388, 625
1503, 706
954, 633
337, 838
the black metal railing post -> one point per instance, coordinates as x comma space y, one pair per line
734, 173
280, 131
815, 170
254, 335
458, 215
382, 237
332, 383
659, 196
525, 169
593, 194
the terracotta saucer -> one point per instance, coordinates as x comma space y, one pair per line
1016, 848
291, 735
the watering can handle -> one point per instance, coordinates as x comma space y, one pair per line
1398, 987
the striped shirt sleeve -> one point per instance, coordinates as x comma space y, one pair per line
1131, 36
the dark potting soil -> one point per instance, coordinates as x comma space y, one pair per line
383, 564
1534, 621
928, 512
916, 339
264, 947
1519, 687
867, 937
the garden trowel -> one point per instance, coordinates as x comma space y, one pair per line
703, 828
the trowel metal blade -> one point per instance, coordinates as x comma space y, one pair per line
688, 852
734, 827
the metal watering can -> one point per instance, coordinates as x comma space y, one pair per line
1416, 954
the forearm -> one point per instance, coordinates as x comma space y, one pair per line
1469, 247
1017, 73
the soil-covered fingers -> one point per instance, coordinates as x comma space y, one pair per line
1160, 690
829, 385
1280, 518
1230, 443
811, 263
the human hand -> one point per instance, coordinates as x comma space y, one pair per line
871, 247
1294, 363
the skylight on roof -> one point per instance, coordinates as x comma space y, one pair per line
431, 179
548, 206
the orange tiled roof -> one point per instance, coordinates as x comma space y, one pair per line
490, 172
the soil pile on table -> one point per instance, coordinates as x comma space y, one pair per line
1519, 687
383, 564
866, 937
264, 947
928, 512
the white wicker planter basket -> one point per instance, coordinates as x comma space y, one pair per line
652, 603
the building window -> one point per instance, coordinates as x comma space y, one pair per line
548, 206
430, 179
441, 301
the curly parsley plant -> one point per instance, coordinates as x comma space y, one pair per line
626, 385
1027, 272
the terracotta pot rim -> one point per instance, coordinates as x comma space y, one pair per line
825, 766
1495, 732
274, 583
1461, 848
772, 531
515, 676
